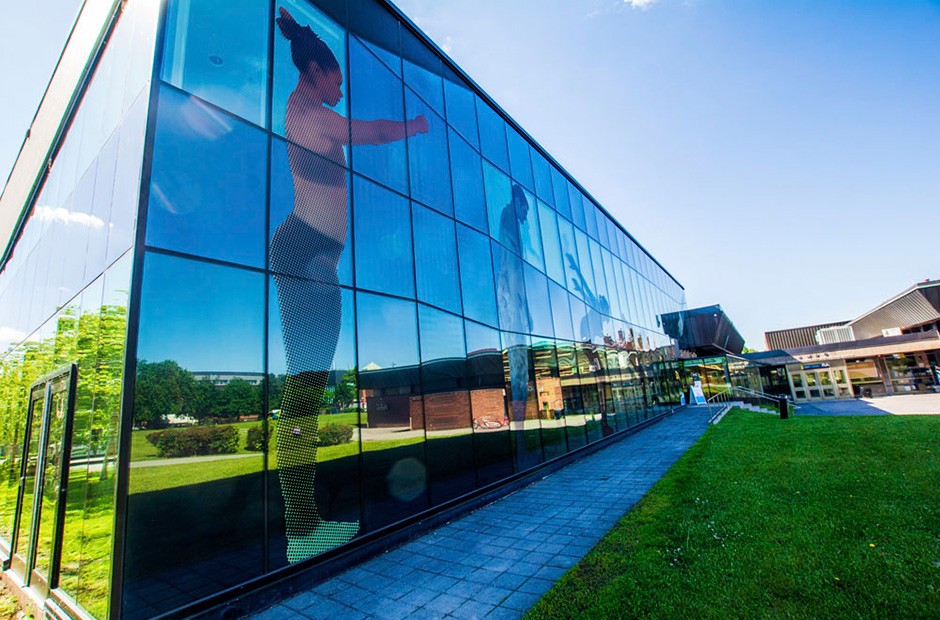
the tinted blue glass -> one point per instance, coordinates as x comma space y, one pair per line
569, 250
583, 282
554, 261
198, 321
603, 232
467, 174
519, 164
560, 192
542, 171
498, 190
304, 130
600, 278
561, 312
511, 300
492, 135
491, 442
476, 276
428, 159
312, 385
383, 240
577, 208
375, 93
309, 218
531, 235
612, 275
394, 479
427, 82
590, 217
447, 408
221, 56
389, 58
536, 286
436, 259
208, 183
522, 401
461, 111
550, 399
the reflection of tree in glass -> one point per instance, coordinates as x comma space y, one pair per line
591, 326
95, 341
309, 243
514, 308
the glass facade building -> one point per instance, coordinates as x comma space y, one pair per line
289, 278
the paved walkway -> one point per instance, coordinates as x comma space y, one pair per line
907, 404
498, 561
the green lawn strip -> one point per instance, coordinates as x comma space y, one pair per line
770, 518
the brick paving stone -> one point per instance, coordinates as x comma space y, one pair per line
471, 568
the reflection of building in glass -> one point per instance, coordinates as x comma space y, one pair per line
893, 348
314, 284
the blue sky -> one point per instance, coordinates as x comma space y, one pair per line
779, 158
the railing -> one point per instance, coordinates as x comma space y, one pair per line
742, 394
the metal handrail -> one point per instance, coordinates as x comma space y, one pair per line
727, 395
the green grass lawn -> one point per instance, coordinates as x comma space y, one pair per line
828, 517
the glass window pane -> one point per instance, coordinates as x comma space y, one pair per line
542, 172
569, 248
461, 110
577, 208
498, 198
376, 28
583, 283
540, 311
575, 431
467, 174
561, 312
309, 220
313, 496
519, 163
522, 403
394, 474
492, 135
319, 126
375, 94
436, 259
550, 399
491, 442
560, 191
427, 158
427, 82
590, 216
220, 56
510, 291
383, 240
554, 262
207, 183
200, 365
476, 276
529, 232
446, 405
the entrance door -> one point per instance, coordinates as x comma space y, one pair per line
40, 506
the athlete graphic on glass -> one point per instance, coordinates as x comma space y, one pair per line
308, 244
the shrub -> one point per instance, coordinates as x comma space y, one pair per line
335, 434
195, 441
255, 439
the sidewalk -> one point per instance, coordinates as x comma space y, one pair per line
499, 560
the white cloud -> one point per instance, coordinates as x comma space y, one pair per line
640, 4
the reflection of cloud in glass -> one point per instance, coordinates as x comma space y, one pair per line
63, 215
